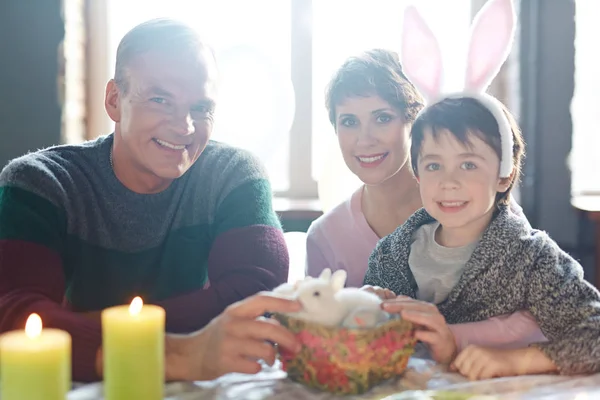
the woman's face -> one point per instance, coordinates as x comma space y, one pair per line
373, 138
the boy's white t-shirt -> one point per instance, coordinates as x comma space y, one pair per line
437, 269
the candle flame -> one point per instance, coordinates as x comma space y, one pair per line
33, 326
136, 306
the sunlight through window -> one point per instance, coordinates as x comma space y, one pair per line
253, 39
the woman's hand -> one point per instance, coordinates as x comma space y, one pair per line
232, 342
477, 362
431, 327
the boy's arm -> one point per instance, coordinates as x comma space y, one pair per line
567, 308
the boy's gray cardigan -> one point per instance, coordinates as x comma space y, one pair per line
514, 267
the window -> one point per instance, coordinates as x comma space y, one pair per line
265, 49
252, 44
584, 160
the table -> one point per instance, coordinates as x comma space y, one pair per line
422, 373
589, 203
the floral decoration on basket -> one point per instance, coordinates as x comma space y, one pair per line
345, 350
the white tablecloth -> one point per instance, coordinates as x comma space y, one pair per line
272, 384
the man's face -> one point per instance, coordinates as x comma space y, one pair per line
164, 118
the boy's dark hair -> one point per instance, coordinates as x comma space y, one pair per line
464, 117
375, 72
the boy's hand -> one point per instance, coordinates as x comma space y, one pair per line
431, 327
384, 294
477, 363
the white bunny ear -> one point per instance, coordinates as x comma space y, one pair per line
492, 34
421, 57
325, 274
338, 279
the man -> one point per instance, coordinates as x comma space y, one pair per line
154, 209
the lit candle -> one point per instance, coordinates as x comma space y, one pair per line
35, 363
133, 342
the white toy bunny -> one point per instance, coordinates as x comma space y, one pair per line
492, 33
318, 299
289, 289
326, 301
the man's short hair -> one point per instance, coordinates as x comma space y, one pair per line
160, 34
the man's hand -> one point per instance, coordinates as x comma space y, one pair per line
476, 362
232, 342
430, 324
384, 294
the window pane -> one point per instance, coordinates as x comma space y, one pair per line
584, 160
252, 43
345, 28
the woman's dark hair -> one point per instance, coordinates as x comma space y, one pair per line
375, 72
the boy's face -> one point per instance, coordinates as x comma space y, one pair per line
458, 183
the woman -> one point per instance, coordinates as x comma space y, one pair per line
371, 105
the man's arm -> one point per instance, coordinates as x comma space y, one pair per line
234, 341
249, 255
31, 271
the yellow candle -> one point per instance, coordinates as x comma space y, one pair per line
133, 342
35, 363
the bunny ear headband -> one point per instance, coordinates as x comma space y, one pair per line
491, 37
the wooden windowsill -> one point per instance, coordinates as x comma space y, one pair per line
297, 209
589, 203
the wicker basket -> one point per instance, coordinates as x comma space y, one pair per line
347, 361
